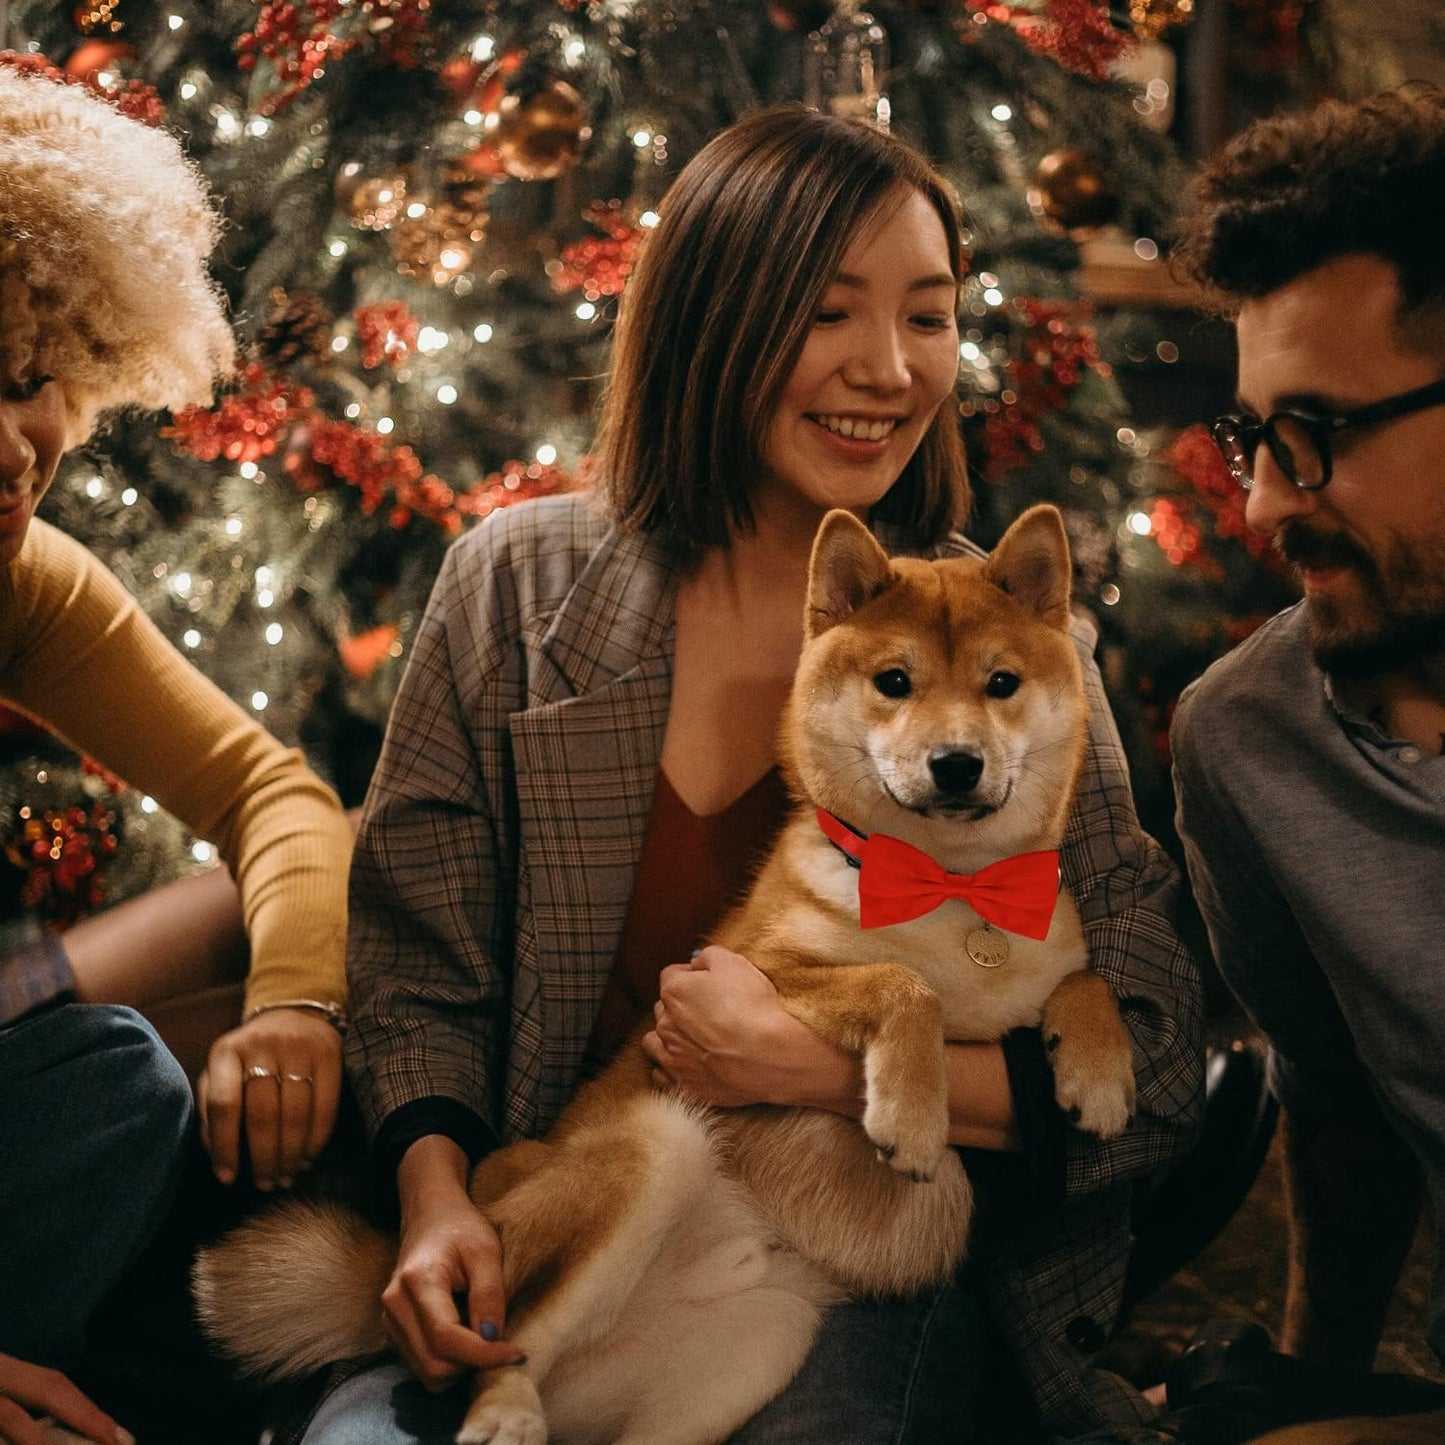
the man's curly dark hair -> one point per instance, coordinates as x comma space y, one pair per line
1294, 191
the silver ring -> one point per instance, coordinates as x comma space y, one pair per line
298, 1079
257, 1072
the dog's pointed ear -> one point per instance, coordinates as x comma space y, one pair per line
848, 568
1031, 563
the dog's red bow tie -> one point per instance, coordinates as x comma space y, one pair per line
898, 882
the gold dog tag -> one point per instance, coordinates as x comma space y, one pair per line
987, 947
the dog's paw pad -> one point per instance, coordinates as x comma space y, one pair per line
912, 1145
1100, 1106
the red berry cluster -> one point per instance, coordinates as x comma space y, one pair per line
599, 265
247, 424
133, 98
1176, 530
516, 482
1079, 34
297, 38
61, 852
1057, 348
364, 459
1197, 460
387, 331
322, 451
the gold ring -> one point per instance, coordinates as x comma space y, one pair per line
257, 1072
298, 1078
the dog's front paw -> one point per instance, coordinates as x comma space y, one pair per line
502, 1424
910, 1136
1094, 1086
506, 1411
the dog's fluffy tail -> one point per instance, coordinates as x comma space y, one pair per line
295, 1289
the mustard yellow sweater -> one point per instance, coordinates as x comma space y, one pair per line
79, 655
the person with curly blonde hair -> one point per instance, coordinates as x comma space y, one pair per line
106, 304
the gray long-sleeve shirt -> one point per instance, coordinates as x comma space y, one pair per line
1315, 845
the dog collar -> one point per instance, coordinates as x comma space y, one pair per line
898, 882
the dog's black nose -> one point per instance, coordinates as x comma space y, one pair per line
955, 771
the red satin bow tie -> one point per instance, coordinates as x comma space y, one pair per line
898, 882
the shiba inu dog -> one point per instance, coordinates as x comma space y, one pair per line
666, 1265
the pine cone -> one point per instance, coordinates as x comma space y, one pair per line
297, 327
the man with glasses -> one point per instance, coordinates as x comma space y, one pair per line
1308, 762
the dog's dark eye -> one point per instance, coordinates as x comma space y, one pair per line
1003, 684
893, 682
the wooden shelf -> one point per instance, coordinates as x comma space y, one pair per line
1113, 274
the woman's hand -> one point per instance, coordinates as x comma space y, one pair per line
722, 1037
25, 1387
448, 1249
280, 1075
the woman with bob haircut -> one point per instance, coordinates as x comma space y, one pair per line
579, 772
106, 304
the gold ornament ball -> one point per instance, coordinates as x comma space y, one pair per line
541, 136
1072, 191
1151, 18
439, 244
374, 203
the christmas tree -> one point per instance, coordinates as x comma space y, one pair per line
432, 207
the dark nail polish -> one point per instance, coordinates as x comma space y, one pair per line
488, 1330
520, 1360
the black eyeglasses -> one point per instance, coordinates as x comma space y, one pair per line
1299, 441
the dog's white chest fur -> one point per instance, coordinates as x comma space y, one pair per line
978, 1002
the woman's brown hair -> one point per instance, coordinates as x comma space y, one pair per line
716, 314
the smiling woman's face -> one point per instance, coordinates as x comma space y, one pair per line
33, 425
880, 359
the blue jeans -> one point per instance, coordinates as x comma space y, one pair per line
882, 1372
94, 1116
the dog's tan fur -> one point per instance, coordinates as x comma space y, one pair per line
665, 1265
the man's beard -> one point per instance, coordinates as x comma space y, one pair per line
1394, 616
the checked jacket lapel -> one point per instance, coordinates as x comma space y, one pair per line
587, 750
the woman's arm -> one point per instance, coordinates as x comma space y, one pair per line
89, 664
429, 996
722, 1036
447, 1249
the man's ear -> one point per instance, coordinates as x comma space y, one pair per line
1032, 564
848, 568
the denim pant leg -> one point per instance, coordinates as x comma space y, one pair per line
384, 1405
94, 1116
884, 1372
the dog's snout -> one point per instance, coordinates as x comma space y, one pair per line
955, 771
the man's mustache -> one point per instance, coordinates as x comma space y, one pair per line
1305, 547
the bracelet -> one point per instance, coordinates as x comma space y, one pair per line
335, 1014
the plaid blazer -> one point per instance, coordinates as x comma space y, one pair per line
494, 868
